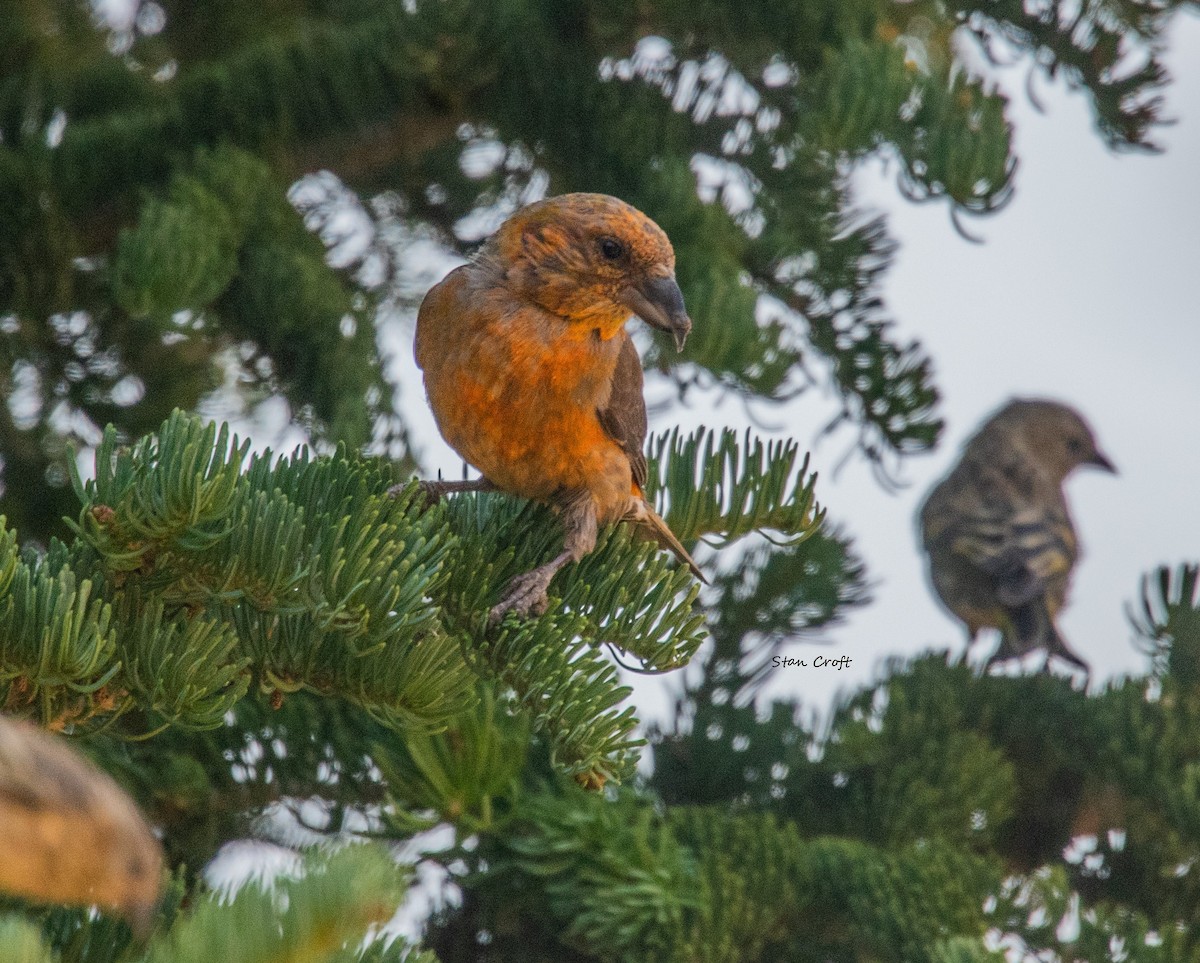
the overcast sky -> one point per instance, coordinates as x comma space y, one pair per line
1082, 290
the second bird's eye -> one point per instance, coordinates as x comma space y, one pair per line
611, 248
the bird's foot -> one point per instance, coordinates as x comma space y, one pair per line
431, 493
1060, 649
526, 595
435, 491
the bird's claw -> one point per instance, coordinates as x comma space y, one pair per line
526, 596
431, 491
435, 491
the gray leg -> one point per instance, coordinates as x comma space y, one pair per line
526, 595
434, 491
1004, 651
1057, 647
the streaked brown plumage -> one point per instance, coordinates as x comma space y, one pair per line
68, 833
1000, 539
533, 379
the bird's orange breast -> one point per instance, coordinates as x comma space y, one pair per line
515, 392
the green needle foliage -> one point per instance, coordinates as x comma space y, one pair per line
210, 571
148, 251
206, 207
935, 807
20, 942
321, 915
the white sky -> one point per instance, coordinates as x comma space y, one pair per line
1083, 290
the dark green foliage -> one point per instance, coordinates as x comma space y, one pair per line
302, 574
937, 805
206, 572
1169, 621
457, 776
614, 880
305, 574
722, 488
143, 205
1084, 42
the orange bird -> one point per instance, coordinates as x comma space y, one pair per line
533, 379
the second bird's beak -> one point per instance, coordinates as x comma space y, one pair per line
1101, 461
659, 302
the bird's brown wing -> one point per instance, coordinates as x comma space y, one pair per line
1018, 537
1024, 552
1043, 547
624, 417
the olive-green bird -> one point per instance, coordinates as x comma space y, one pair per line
999, 536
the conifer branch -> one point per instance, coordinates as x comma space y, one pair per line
21, 942
321, 916
219, 570
716, 486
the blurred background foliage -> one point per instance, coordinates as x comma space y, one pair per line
149, 255
210, 205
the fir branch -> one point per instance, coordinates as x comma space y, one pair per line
1109, 48
327, 588
612, 874
187, 589
457, 774
1168, 621
182, 254
623, 595
171, 492
236, 249
707, 884
638, 599
570, 691
317, 917
714, 486
20, 942
317, 79
185, 671
57, 641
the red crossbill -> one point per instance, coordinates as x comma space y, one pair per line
69, 834
533, 379
999, 536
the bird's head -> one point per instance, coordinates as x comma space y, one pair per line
592, 260
1056, 435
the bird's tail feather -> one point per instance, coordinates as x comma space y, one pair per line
657, 529
1031, 626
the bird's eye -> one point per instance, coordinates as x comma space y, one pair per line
1075, 446
611, 248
